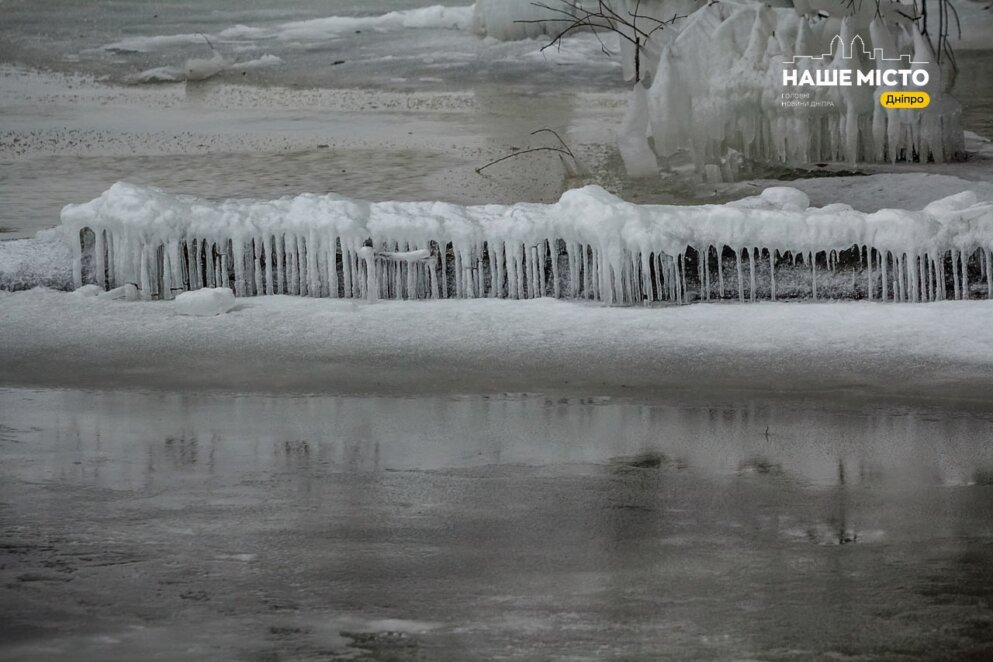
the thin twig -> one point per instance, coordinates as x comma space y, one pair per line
522, 152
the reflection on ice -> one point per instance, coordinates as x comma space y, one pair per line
438, 527
146, 434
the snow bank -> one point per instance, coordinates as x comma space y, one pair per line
283, 343
589, 245
206, 302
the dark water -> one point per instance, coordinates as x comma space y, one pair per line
161, 526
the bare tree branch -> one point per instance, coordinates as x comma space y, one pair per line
561, 150
603, 16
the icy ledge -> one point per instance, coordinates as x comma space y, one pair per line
589, 245
282, 343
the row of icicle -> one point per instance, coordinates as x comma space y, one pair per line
319, 266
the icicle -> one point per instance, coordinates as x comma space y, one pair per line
542, 250
659, 280
313, 264
332, 266
965, 275
597, 275
144, 282
468, 284
720, 270
502, 284
166, 274
955, 275
922, 294
868, 284
898, 277
520, 265
772, 274
647, 282
813, 274
459, 273
293, 264
302, 264
99, 252
706, 272
226, 282
989, 272
372, 276
556, 286
494, 271
741, 276
700, 272
257, 246
932, 280
751, 270
238, 257
912, 278
884, 295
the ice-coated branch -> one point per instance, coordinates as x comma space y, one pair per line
576, 16
589, 245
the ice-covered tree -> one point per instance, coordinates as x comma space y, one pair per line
710, 84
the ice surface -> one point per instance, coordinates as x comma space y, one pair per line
436, 16
589, 245
206, 302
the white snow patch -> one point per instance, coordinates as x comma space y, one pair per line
495, 345
88, 291
206, 302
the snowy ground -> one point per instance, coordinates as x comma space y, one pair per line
932, 351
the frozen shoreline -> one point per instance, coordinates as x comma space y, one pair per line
292, 344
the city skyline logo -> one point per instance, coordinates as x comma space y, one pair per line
901, 74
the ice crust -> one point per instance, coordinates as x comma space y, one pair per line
589, 245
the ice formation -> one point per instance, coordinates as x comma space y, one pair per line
589, 245
201, 69
511, 19
205, 302
717, 90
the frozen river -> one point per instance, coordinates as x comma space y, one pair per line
164, 526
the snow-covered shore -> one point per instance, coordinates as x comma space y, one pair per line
929, 351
